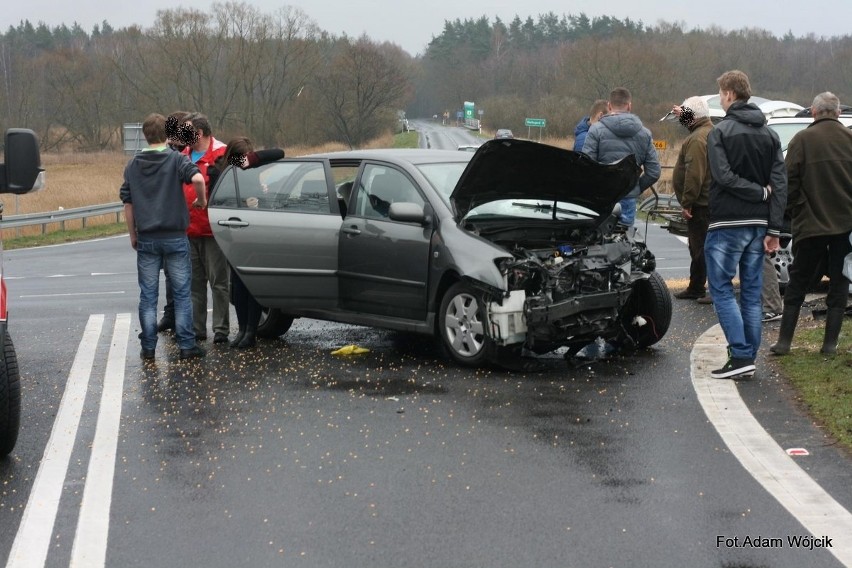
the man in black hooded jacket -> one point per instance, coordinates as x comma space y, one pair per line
748, 193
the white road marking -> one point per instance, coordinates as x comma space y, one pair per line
90, 542
71, 294
760, 455
34, 533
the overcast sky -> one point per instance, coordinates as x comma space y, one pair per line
411, 24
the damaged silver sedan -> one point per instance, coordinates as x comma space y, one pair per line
513, 248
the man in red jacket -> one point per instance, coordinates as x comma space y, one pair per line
209, 265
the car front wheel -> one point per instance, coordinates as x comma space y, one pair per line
10, 398
461, 324
648, 312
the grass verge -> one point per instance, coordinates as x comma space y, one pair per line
68, 236
823, 383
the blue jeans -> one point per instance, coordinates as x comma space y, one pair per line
725, 250
173, 255
628, 211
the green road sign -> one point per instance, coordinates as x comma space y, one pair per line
538, 122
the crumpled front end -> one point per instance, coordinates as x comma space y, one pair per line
567, 294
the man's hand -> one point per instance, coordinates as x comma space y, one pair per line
687, 213
771, 244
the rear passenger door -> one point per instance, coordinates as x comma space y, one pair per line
278, 226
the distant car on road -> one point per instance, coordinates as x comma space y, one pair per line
504, 133
513, 247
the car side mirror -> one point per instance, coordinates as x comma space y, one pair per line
407, 213
21, 168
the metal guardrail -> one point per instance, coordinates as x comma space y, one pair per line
61, 216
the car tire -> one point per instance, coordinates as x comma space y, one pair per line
273, 323
652, 301
461, 326
10, 398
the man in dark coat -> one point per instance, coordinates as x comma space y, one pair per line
819, 170
597, 111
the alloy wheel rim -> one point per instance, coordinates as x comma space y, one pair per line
463, 326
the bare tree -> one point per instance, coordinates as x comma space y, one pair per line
361, 91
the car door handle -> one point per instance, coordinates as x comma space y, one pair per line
233, 223
351, 230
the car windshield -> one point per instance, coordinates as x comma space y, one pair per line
443, 177
530, 209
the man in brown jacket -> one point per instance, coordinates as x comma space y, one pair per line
819, 173
691, 181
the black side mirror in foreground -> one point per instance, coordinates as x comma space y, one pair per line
21, 171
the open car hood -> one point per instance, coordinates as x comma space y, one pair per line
519, 169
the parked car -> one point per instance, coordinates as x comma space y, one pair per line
20, 173
515, 246
770, 108
787, 127
503, 133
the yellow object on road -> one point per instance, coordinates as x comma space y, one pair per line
350, 350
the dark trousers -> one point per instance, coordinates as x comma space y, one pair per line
807, 255
247, 309
696, 233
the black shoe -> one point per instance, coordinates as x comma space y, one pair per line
239, 337
220, 338
192, 353
146, 353
734, 369
248, 340
689, 295
166, 324
201, 337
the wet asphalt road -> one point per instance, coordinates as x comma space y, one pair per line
287, 455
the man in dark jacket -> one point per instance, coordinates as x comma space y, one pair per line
819, 169
619, 134
748, 193
597, 111
691, 181
157, 219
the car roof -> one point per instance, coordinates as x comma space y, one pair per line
770, 108
845, 119
409, 155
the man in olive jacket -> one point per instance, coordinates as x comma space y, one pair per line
691, 181
819, 172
